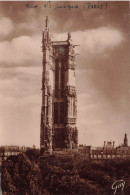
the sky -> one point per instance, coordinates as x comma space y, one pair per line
102, 74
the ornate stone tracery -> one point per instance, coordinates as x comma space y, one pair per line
70, 91
59, 98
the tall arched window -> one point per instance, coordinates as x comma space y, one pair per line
62, 79
56, 78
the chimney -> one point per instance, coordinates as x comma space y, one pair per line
113, 144
104, 144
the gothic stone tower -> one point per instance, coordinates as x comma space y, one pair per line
59, 99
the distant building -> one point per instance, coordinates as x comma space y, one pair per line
6, 151
108, 151
109, 145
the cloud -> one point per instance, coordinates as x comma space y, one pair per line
28, 48
6, 26
100, 39
96, 40
22, 82
20, 102
20, 50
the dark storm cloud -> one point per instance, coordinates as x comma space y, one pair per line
88, 18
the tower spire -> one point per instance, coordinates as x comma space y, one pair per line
47, 21
46, 33
125, 140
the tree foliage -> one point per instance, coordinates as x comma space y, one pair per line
60, 173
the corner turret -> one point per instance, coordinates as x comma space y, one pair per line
46, 33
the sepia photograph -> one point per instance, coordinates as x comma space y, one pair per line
64, 97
